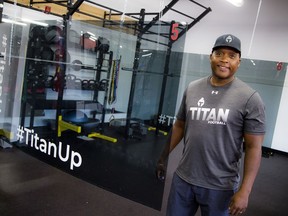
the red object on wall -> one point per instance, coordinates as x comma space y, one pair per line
174, 31
279, 66
47, 9
87, 43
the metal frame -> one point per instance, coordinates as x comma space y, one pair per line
140, 29
143, 29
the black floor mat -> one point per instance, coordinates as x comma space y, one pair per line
126, 168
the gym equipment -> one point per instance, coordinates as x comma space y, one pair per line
74, 116
137, 128
72, 82
5, 131
78, 121
53, 34
79, 118
63, 126
74, 38
98, 135
38, 32
176, 31
47, 54
61, 55
88, 42
76, 65
102, 45
85, 84
114, 81
154, 129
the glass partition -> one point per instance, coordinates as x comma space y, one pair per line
88, 99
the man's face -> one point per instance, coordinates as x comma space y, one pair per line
224, 62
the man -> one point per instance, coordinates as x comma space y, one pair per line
217, 115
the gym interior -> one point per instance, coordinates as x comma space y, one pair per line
89, 90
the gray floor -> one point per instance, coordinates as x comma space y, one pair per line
31, 187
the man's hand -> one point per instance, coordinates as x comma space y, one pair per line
160, 171
239, 203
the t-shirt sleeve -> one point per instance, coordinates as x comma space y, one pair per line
254, 120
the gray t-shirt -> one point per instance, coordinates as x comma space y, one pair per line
216, 117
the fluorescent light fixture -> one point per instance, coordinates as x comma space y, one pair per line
93, 38
146, 55
183, 23
13, 22
91, 33
237, 3
34, 22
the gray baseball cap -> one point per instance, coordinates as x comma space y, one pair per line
228, 40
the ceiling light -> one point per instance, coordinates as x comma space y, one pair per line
183, 23
146, 55
237, 3
91, 33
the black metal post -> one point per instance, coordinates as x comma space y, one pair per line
134, 73
62, 69
106, 91
99, 65
165, 76
1, 9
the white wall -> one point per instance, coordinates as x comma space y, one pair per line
268, 43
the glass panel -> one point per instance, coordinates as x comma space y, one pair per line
89, 97
12, 61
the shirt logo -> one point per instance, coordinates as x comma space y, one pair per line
201, 102
218, 116
214, 92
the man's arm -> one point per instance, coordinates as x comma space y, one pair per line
174, 138
253, 153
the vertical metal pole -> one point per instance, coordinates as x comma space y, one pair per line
99, 65
134, 72
1, 9
62, 70
106, 91
164, 79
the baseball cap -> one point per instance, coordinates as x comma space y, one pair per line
228, 40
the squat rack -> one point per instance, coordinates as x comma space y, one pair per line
177, 30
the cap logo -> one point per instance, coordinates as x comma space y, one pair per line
229, 39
